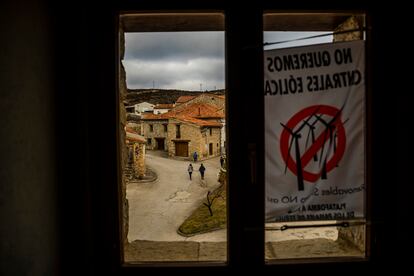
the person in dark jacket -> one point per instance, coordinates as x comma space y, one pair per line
221, 161
202, 169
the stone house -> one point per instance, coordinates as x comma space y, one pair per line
187, 135
192, 126
211, 99
155, 130
136, 153
139, 108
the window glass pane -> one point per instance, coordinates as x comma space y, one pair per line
315, 137
174, 180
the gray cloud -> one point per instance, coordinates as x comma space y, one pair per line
175, 74
184, 60
175, 60
174, 45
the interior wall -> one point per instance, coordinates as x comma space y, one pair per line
28, 216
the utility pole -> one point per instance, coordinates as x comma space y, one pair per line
153, 84
201, 87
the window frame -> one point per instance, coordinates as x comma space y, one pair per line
178, 131
246, 233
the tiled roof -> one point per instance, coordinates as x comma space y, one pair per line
131, 135
193, 113
188, 119
152, 116
184, 99
201, 110
131, 130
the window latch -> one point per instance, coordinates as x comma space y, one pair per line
252, 161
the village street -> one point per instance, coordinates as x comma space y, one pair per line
157, 209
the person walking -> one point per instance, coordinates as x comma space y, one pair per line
195, 156
202, 169
190, 170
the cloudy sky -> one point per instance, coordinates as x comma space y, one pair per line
187, 60
181, 60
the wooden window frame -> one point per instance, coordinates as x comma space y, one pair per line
244, 73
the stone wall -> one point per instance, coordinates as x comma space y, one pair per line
214, 138
199, 139
354, 234
157, 132
122, 135
139, 160
350, 24
188, 132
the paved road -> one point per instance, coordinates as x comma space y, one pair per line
157, 209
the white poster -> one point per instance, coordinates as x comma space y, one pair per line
314, 123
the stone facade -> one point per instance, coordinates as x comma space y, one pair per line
122, 135
354, 234
350, 24
198, 138
201, 121
139, 159
211, 137
155, 129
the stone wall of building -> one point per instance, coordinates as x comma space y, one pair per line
157, 132
199, 139
350, 24
354, 234
213, 138
122, 135
188, 132
139, 160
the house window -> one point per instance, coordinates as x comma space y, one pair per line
149, 141
211, 131
177, 131
151, 128
165, 127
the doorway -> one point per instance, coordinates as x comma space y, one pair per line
181, 149
160, 143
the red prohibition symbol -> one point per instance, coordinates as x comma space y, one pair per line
291, 133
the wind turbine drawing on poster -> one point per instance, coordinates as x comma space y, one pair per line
295, 138
330, 127
311, 133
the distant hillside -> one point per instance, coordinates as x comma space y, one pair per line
163, 96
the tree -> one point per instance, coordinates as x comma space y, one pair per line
211, 197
